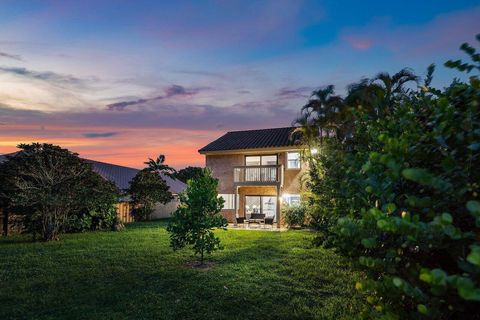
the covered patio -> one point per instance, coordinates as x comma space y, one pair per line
256, 226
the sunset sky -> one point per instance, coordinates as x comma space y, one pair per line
120, 81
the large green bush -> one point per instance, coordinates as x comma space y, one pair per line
400, 195
294, 215
98, 210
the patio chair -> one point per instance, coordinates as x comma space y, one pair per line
240, 220
269, 220
257, 218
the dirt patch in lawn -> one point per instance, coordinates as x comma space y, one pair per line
207, 265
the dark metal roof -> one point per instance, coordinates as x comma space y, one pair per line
254, 139
121, 175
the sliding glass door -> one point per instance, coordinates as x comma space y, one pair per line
261, 204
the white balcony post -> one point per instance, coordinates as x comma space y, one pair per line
236, 205
278, 206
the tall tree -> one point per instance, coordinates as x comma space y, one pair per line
46, 184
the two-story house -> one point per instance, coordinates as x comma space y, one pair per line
258, 172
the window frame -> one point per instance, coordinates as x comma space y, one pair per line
261, 204
299, 160
289, 196
228, 201
261, 156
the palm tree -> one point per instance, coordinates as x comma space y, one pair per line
323, 112
306, 132
391, 88
377, 96
327, 113
160, 167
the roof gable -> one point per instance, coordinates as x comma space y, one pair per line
254, 139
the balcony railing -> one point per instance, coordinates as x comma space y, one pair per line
271, 174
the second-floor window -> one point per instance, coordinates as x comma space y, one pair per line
259, 174
261, 160
293, 160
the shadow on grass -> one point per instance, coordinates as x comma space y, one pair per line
259, 275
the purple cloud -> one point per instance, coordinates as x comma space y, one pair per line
295, 93
172, 91
164, 114
121, 106
100, 134
176, 90
47, 76
11, 56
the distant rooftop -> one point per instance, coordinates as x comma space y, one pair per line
120, 175
254, 139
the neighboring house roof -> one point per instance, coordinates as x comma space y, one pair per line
254, 139
121, 175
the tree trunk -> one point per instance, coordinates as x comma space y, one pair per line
5, 223
201, 252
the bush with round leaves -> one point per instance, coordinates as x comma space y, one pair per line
408, 211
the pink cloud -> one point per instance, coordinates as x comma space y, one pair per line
442, 34
359, 42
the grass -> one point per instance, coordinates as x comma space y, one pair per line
135, 275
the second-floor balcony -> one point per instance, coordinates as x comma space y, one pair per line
258, 175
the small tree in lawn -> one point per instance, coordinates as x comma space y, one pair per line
197, 216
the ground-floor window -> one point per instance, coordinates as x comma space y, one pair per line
261, 204
291, 199
229, 201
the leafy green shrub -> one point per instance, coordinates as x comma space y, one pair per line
98, 211
294, 215
99, 219
142, 213
403, 192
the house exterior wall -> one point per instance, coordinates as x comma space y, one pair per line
222, 169
222, 166
253, 191
165, 210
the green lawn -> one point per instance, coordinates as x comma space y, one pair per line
135, 275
